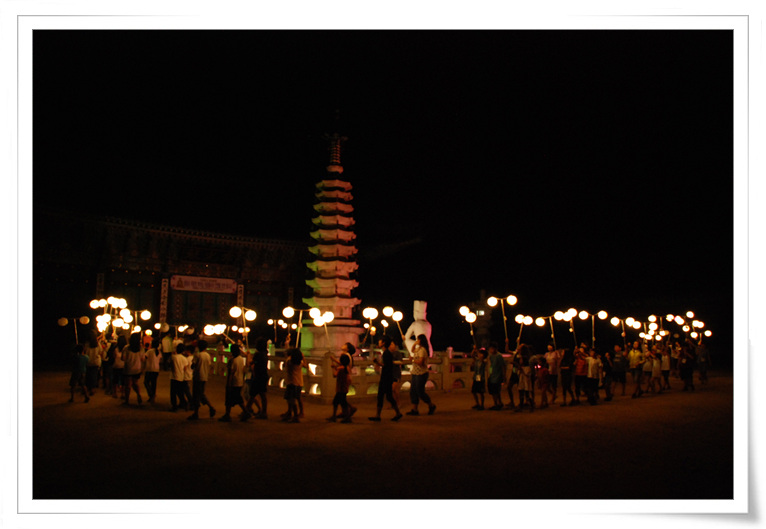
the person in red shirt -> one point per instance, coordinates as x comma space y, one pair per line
580, 371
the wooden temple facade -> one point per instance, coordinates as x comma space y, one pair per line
183, 276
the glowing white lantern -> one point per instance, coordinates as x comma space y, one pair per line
558, 315
652, 318
388, 312
679, 320
235, 312
653, 326
102, 303
94, 304
250, 315
519, 318
615, 321
685, 328
370, 313
269, 322
636, 325
492, 301
318, 321
670, 317
708, 333
694, 334
288, 312
528, 320
208, 330
572, 313
629, 321
512, 300
397, 316
118, 322
314, 313
540, 322
157, 326
584, 315
463, 311
602, 315
148, 332
690, 314
145, 315
384, 323
470, 317
328, 316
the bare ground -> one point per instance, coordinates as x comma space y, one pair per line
677, 445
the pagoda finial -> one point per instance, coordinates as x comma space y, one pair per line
335, 140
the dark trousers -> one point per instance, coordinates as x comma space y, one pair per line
198, 395
580, 382
386, 390
179, 391
591, 389
91, 377
566, 382
150, 383
418, 389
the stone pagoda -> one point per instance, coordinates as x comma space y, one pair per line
335, 262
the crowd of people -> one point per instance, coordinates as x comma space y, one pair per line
532, 380
582, 373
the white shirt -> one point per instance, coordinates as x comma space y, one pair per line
188, 375
237, 367
94, 355
202, 367
167, 344
134, 361
593, 366
152, 361
179, 364
119, 361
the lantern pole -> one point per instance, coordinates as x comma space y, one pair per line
553, 334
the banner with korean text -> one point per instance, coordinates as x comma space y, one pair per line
203, 284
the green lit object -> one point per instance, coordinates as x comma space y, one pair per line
225, 360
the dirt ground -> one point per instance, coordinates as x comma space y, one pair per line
677, 445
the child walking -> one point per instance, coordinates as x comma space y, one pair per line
79, 368
543, 375
479, 369
342, 374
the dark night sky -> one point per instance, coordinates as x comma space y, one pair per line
572, 168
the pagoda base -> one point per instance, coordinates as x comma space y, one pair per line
317, 340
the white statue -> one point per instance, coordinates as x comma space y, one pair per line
418, 327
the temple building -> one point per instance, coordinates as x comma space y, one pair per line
183, 276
